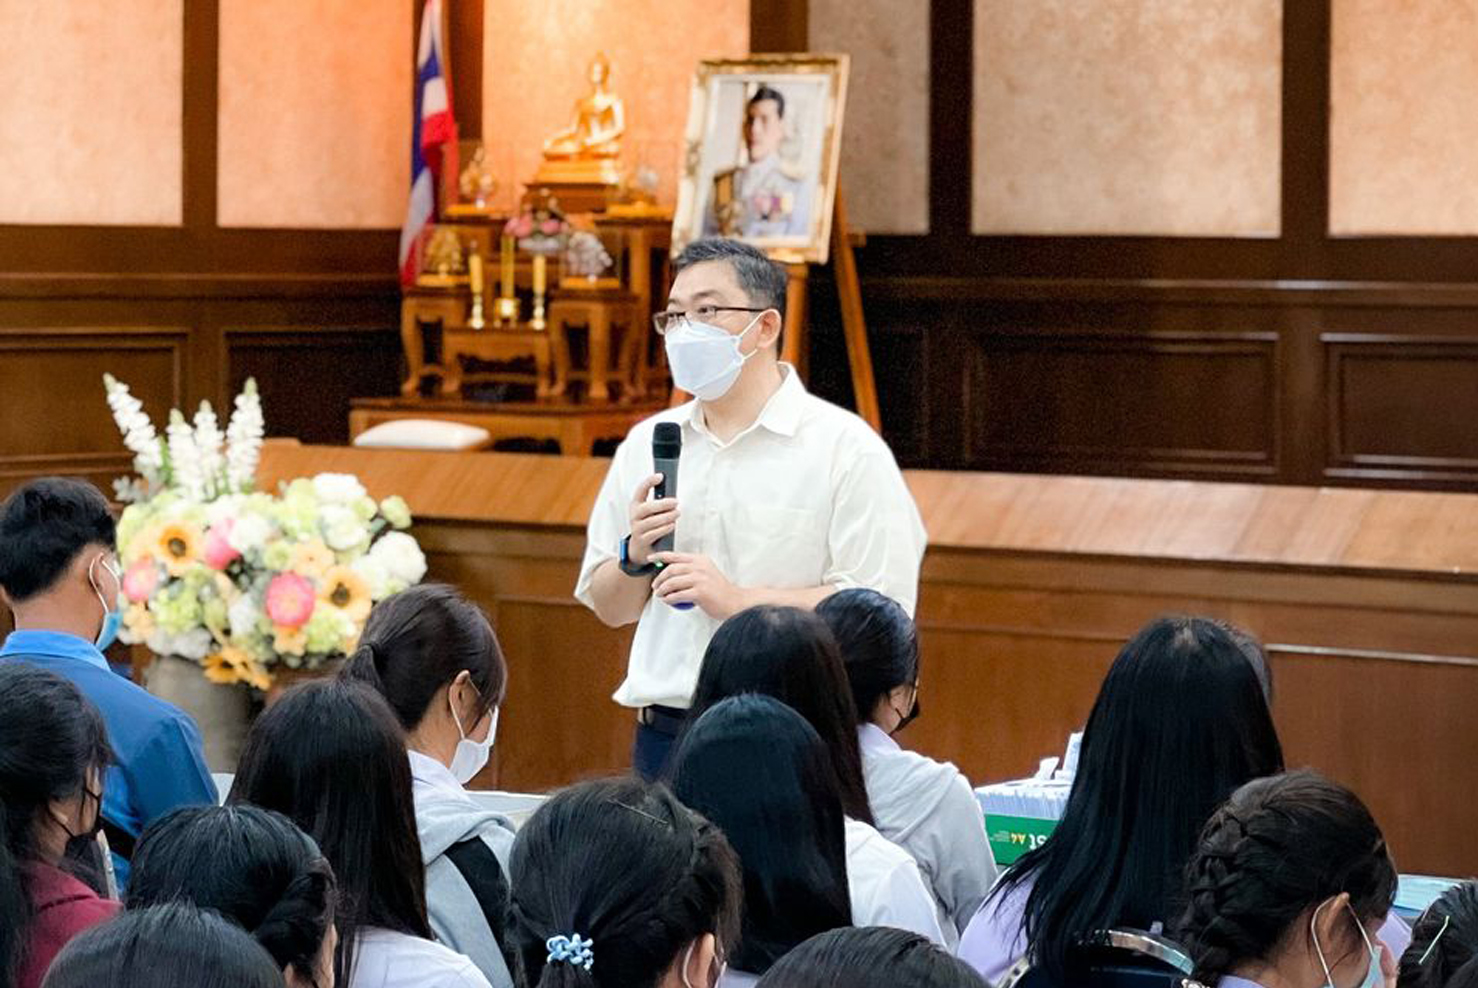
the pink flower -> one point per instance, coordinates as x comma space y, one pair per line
218, 551
525, 226
550, 227
290, 600
140, 581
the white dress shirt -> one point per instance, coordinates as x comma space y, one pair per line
886, 887
807, 496
385, 959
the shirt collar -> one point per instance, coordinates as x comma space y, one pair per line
781, 414
54, 644
428, 771
873, 738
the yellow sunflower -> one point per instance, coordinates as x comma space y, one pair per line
345, 591
289, 641
178, 547
232, 665
312, 559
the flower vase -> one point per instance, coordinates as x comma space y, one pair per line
223, 713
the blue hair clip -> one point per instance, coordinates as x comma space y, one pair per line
570, 950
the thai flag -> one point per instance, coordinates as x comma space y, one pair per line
433, 138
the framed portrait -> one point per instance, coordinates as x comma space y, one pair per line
760, 162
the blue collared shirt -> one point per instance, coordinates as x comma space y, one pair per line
158, 760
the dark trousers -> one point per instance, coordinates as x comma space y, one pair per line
656, 734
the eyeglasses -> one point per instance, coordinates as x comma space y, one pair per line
664, 321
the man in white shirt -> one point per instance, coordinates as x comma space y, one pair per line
782, 498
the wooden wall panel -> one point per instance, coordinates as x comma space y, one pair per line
307, 376
1403, 404
1068, 399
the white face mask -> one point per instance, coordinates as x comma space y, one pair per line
1373, 977
471, 756
705, 360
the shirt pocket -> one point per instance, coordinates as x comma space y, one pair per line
774, 546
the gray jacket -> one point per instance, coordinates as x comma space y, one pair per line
446, 817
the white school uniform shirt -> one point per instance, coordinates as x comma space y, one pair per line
928, 809
886, 887
807, 496
386, 959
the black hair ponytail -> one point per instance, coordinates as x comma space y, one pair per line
622, 864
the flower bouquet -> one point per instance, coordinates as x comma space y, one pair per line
240, 581
540, 228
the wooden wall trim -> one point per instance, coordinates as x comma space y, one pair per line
1192, 291
62, 285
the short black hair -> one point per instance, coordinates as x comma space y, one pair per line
1440, 957
43, 526
870, 957
763, 280
766, 92
173, 944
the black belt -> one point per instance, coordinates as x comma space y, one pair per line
663, 720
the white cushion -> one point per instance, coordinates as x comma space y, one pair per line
423, 434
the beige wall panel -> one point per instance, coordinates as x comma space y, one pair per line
90, 128
1154, 117
885, 144
536, 61
315, 113
1403, 141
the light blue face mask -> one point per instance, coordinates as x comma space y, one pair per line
1373, 976
112, 616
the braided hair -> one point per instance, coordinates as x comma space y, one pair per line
636, 875
1444, 943
251, 865
1277, 849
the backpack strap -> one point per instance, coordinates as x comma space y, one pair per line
483, 874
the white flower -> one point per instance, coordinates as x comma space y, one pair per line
249, 533
138, 432
208, 441
338, 488
222, 508
401, 556
244, 615
130, 490
244, 438
342, 528
184, 458
194, 644
372, 571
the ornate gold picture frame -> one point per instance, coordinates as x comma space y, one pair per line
761, 149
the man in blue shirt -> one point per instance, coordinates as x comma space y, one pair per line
59, 576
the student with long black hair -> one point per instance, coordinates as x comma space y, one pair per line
1181, 721
176, 945
789, 654
761, 774
925, 807
870, 957
1444, 942
1289, 887
616, 884
434, 658
53, 751
330, 756
255, 868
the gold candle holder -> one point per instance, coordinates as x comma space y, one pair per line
505, 307
474, 282
541, 272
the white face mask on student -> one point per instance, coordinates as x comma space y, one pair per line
471, 756
705, 359
1373, 976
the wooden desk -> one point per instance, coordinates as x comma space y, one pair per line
1368, 600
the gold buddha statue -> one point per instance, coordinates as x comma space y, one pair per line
588, 150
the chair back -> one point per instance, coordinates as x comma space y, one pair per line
1118, 958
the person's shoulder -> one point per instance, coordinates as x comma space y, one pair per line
841, 427
866, 842
410, 960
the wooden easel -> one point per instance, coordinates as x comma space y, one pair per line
854, 326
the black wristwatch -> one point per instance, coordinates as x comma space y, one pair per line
628, 567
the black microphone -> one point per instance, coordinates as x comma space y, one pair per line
667, 446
